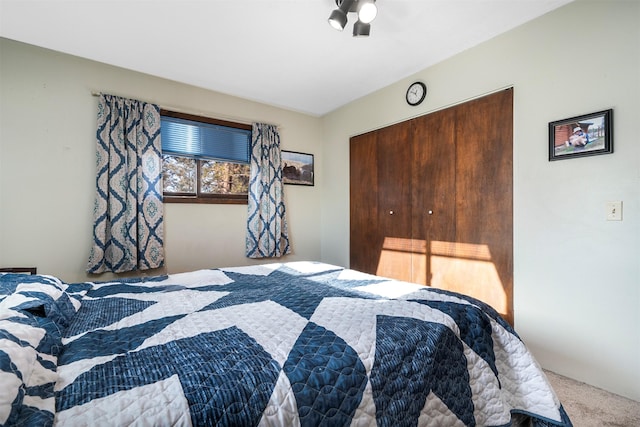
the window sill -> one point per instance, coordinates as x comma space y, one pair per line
208, 200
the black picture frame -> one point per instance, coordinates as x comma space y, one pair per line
297, 168
22, 270
580, 136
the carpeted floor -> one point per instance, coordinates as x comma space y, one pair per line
589, 406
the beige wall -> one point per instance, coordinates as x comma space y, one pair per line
47, 166
576, 276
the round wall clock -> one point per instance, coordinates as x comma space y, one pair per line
416, 93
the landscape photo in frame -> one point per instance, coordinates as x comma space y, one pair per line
297, 168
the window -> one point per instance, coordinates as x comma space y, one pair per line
204, 160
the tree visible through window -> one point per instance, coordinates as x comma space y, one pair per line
204, 160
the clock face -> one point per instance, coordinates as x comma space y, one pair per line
416, 93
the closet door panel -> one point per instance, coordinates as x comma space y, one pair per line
431, 200
365, 239
484, 201
433, 197
394, 201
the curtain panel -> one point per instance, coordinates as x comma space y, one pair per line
267, 234
128, 210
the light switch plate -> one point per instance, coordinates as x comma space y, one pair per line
614, 211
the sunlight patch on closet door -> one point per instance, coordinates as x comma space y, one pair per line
467, 268
396, 257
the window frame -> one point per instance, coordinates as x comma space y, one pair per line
206, 198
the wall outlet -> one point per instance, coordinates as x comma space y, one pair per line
614, 211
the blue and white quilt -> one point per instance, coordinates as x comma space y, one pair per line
290, 344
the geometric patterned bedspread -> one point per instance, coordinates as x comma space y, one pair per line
298, 343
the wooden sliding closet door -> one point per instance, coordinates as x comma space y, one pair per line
380, 213
364, 239
484, 202
394, 201
434, 192
463, 200
431, 200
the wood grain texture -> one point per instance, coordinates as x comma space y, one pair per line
364, 229
432, 200
394, 201
434, 196
484, 197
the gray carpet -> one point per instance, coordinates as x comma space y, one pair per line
589, 406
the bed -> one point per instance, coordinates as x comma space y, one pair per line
285, 344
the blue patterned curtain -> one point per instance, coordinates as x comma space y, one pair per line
128, 211
267, 234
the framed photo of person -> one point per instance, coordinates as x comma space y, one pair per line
586, 135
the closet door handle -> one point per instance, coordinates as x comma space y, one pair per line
390, 212
430, 212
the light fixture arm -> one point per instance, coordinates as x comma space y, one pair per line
347, 5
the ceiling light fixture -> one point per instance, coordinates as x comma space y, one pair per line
361, 29
366, 10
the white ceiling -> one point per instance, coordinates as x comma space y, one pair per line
278, 52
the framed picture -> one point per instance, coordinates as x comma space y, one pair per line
297, 168
579, 136
23, 270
